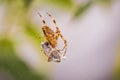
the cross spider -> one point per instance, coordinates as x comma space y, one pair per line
50, 46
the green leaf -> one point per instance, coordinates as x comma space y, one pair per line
27, 3
82, 9
33, 32
117, 73
11, 64
104, 1
66, 4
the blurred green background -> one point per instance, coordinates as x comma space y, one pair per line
18, 27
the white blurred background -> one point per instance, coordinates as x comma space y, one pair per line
93, 39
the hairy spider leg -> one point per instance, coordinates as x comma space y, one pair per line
58, 34
44, 23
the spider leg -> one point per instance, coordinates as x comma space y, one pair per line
44, 23
58, 34
56, 26
48, 56
65, 44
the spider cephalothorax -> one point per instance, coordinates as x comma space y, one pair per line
52, 40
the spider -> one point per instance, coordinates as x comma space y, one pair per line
52, 40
